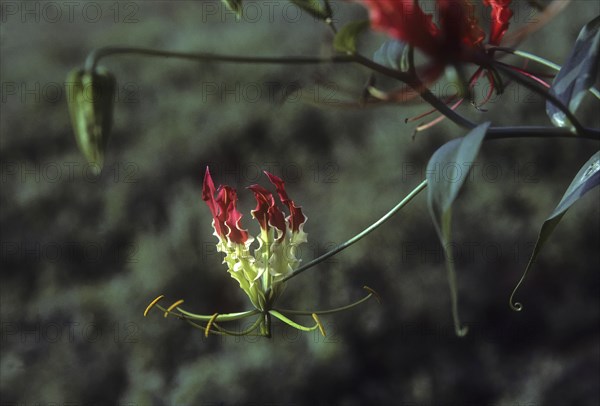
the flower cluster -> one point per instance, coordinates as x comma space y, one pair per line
259, 275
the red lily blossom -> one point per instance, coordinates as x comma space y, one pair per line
261, 274
453, 39
227, 218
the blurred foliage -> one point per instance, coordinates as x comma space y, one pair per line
83, 255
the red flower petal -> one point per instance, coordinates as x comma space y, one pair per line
208, 195
501, 15
226, 217
404, 20
296, 218
227, 202
267, 213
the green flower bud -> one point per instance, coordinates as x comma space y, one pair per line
91, 99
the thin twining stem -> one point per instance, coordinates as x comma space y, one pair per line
579, 129
97, 54
362, 234
409, 78
541, 61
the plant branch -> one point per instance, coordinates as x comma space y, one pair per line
410, 79
97, 54
417, 85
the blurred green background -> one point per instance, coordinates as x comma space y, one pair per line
82, 256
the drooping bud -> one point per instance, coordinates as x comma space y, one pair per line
91, 99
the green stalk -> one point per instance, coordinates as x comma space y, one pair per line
360, 235
292, 323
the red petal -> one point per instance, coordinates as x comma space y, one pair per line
229, 214
208, 195
267, 213
405, 21
296, 218
501, 15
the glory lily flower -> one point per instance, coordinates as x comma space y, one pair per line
262, 274
455, 39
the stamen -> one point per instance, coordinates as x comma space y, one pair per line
321, 328
373, 292
152, 303
210, 322
529, 75
174, 305
438, 120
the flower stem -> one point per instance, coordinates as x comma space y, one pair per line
97, 54
409, 78
362, 234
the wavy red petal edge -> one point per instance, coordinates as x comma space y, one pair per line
227, 201
227, 218
296, 217
208, 195
266, 212
223, 207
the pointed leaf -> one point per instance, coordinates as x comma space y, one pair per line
447, 171
235, 6
316, 8
345, 39
392, 54
586, 179
578, 74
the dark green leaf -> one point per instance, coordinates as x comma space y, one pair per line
586, 179
578, 74
447, 171
345, 39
